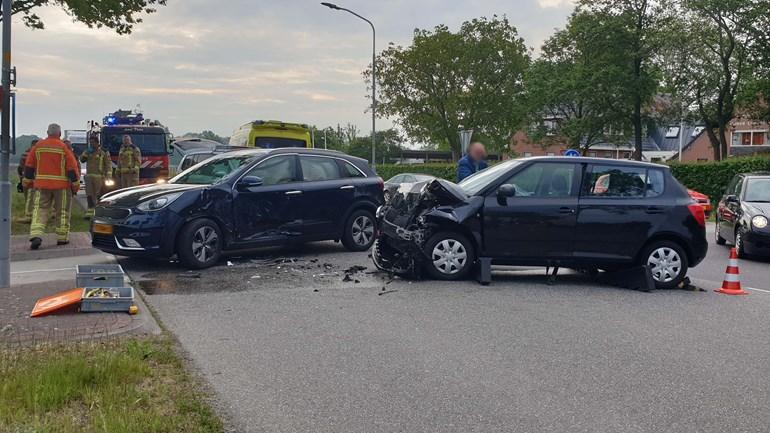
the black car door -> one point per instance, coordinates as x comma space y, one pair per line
268, 213
326, 196
619, 207
539, 221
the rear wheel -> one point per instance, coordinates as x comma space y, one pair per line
450, 256
717, 237
667, 262
359, 231
200, 244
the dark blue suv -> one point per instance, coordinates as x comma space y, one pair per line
243, 200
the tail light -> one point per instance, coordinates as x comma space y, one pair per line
697, 212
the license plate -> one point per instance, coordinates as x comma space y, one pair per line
103, 229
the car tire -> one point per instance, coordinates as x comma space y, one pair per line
667, 262
740, 242
360, 231
450, 256
199, 244
717, 237
386, 196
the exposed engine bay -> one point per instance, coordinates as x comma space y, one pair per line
415, 213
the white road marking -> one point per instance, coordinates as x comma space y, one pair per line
758, 290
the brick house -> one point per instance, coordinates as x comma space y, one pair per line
747, 137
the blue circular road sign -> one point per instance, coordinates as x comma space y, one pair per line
571, 152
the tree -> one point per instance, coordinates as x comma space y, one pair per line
208, 135
118, 15
447, 81
721, 61
389, 146
576, 90
645, 24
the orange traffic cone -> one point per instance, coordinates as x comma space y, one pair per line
732, 282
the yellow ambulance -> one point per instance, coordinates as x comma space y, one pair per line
272, 134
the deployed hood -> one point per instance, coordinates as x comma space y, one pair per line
132, 196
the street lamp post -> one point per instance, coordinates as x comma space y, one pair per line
374, 72
5, 150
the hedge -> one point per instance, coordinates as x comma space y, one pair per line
440, 170
710, 178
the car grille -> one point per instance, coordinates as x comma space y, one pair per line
103, 241
112, 212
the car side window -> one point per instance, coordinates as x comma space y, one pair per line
738, 187
616, 181
544, 180
348, 170
655, 182
275, 171
409, 179
315, 168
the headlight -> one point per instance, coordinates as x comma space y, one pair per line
109, 182
759, 222
158, 203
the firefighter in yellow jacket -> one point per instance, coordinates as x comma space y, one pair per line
129, 163
51, 169
98, 171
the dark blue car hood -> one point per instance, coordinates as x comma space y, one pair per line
130, 197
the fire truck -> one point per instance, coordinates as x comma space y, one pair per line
150, 137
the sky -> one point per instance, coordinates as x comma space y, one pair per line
213, 65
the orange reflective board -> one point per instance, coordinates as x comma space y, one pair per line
57, 302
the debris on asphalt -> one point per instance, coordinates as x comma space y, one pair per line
386, 292
229, 263
189, 274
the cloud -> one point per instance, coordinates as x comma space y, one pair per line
198, 64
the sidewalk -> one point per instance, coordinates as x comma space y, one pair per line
50, 270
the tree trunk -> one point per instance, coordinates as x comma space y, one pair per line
714, 140
723, 140
637, 116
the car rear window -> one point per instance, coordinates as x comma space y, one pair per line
623, 182
316, 168
348, 170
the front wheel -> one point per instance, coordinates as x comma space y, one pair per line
450, 256
200, 244
359, 231
667, 262
740, 242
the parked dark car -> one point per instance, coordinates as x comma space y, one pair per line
582, 213
742, 214
242, 200
394, 183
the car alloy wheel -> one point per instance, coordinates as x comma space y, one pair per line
204, 243
665, 264
362, 230
449, 256
739, 243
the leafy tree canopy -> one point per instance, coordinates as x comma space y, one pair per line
118, 15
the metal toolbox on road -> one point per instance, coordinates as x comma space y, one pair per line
99, 276
121, 303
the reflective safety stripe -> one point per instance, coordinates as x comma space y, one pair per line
36, 228
732, 278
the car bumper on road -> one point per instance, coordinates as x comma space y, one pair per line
150, 234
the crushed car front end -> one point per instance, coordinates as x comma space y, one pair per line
413, 215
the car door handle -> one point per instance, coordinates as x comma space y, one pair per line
654, 210
295, 192
347, 187
566, 210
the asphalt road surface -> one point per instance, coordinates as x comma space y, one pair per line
288, 346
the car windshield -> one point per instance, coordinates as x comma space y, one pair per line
213, 170
473, 184
758, 190
148, 143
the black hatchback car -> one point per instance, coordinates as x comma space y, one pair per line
583, 213
742, 214
243, 200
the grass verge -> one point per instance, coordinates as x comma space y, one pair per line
124, 385
77, 223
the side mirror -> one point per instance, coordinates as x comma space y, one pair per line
249, 182
731, 199
504, 192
